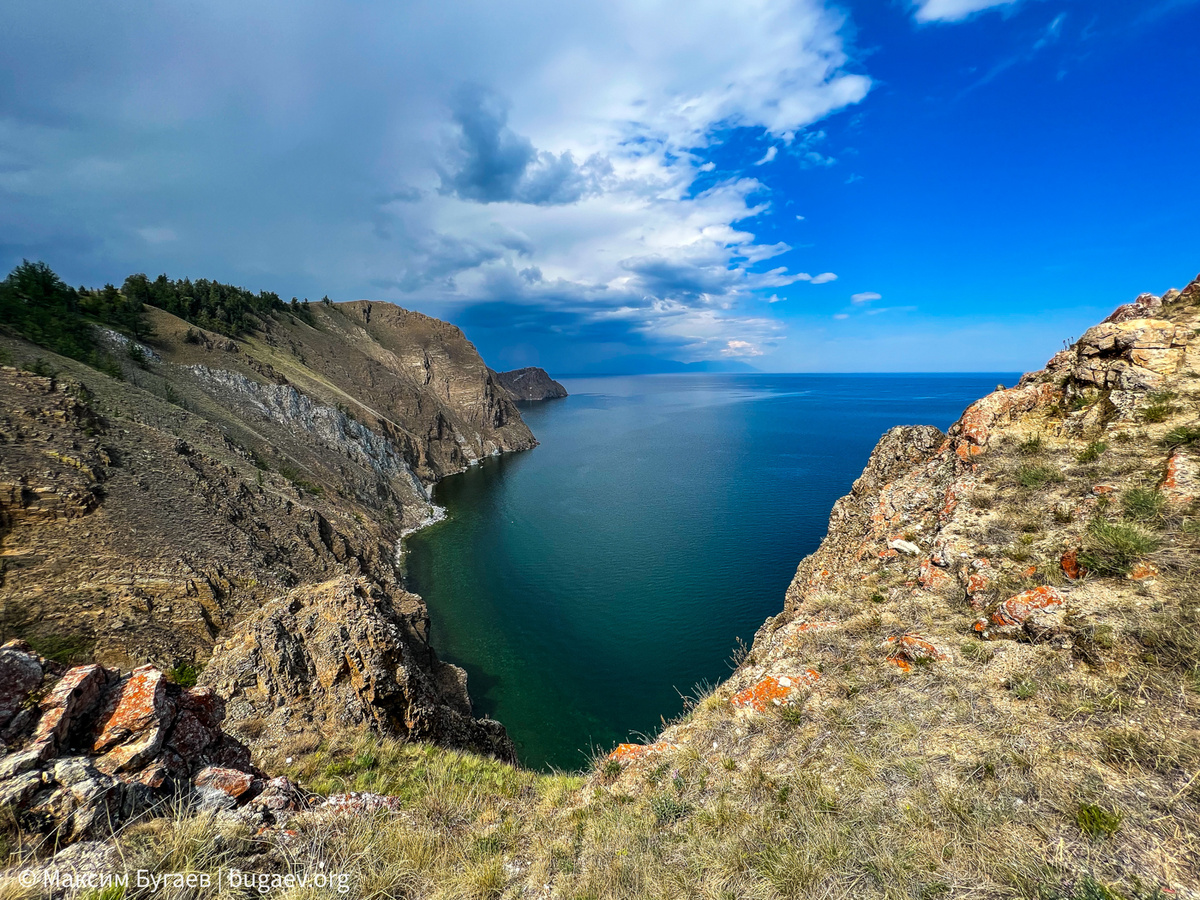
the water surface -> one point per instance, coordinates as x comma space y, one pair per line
586, 584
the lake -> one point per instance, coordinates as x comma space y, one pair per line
588, 584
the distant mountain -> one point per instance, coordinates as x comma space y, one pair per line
531, 383
645, 364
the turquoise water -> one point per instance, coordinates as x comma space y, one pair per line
586, 584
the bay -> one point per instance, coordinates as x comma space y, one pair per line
587, 585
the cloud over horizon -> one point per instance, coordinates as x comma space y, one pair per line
530, 156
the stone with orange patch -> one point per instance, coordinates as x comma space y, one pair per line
1181, 484
631, 752
773, 691
934, 579
1016, 609
906, 649
228, 781
1144, 573
1071, 565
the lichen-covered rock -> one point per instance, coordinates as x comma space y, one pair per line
906, 649
339, 656
1181, 483
20, 675
774, 690
625, 753
100, 749
1013, 612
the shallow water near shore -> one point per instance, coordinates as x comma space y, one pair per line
589, 583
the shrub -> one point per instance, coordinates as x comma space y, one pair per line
1112, 548
668, 808
184, 674
1032, 447
1143, 504
1092, 452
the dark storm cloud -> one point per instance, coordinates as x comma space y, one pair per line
497, 165
680, 278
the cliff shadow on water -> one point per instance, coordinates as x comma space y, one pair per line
588, 586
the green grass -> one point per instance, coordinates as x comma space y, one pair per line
1113, 548
1092, 452
1143, 504
1182, 436
1036, 476
1096, 821
62, 648
184, 674
1034, 446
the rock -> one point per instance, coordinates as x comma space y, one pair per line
72, 699
1071, 566
1181, 484
903, 546
774, 690
631, 752
20, 675
530, 383
906, 649
342, 653
971, 434
1015, 610
230, 781
134, 722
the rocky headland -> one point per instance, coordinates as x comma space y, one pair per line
205, 483
531, 384
984, 683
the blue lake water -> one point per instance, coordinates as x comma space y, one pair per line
586, 584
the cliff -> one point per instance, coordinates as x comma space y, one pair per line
148, 511
530, 384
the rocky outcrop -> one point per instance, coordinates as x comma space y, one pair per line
339, 657
531, 383
90, 748
143, 517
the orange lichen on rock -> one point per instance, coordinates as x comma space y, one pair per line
1143, 572
907, 649
973, 431
1181, 484
772, 691
934, 579
1018, 608
1071, 566
631, 752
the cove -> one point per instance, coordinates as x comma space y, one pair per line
587, 584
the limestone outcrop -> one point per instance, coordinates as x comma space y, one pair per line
531, 384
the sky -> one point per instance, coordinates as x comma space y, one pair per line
792, 185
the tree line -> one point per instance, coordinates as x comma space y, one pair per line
41, 307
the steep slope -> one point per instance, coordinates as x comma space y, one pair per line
143, 517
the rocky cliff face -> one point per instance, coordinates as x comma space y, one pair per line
997, 642
143, 519
531, 383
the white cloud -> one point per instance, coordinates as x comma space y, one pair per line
799, 218
423, 157
740, 348
865, 297
953, 10
841, 315
824, 278
768, 156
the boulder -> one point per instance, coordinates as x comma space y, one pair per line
20, 675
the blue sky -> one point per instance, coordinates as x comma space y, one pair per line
801, 186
